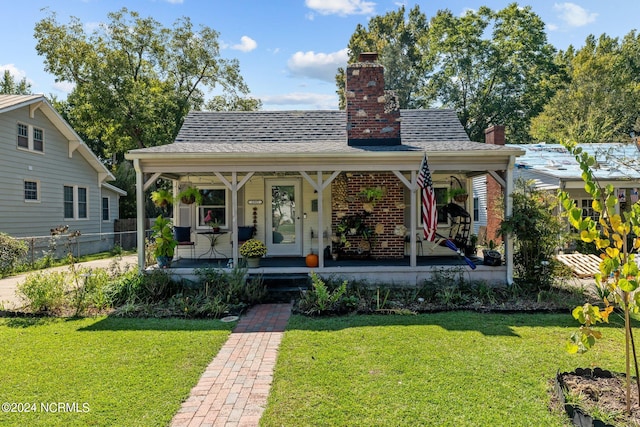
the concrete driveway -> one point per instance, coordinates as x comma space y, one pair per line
10, 301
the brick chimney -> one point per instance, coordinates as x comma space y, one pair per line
495, 210
373, 116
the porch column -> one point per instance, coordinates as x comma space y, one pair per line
319, 185
140, 219
234, 186
413, 223
508, 211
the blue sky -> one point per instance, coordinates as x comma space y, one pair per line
288, 49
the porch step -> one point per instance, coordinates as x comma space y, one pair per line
284, 287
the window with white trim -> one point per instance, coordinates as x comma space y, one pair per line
23, 136
30, 138
75, 202
105, 209
31, 191
587, 209
214, 200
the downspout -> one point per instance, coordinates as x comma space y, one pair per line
140, 220
508, 202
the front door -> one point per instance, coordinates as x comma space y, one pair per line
285, 239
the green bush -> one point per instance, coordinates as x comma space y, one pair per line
321, 299
44, 292
537, 233
12, 252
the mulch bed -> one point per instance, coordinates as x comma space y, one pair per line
600, 392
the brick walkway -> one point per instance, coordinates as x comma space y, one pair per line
233, 389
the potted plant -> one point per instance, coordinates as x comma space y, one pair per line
253, 250
161, 197
212, 222
370, 197
165, 242
458, 194
190, 195
471, 248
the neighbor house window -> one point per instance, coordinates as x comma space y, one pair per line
38, 139
105, 209
476, 209
23, 136
30, 138
82, 202
31, 193
75, 202
587, 210
214, 200
68, 202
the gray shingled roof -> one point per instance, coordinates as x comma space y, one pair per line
310, 132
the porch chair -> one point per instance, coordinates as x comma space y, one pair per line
419, 242
245, 232
183, 236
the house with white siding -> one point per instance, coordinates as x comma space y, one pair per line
301, 180
50, 178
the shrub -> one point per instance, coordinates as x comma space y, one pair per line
12, 251
44, 292
321, 299
537, 233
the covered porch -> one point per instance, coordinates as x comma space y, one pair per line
389, 271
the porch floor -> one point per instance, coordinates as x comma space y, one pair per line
289, 262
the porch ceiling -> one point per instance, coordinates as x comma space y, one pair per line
439, 161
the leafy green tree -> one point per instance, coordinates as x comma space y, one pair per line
9, 86
618, 277
396, 39
134, 79
232, 102
506, 78
537, 233
600, 102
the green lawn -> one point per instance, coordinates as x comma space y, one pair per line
105, 371
445, 369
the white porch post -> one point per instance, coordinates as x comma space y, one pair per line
413, 223
413, 259
140, 219
508, 211
320, 221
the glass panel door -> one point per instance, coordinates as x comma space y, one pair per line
283, 196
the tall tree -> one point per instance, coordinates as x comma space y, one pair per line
9, 85
506, 78
134, 79
396, 40
601, 103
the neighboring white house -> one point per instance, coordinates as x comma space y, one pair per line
552, 167
49, 178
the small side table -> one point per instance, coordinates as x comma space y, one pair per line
213, 239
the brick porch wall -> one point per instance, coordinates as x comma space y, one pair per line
387, 213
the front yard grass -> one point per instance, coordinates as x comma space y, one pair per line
105, 371
445, 369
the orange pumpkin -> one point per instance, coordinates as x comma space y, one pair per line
311, 260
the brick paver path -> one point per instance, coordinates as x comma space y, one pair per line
233, 389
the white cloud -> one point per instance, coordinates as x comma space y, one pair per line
341, 7
574, 15
17, 73
300, 100
247, 44
175, 1
321, 66
64, 86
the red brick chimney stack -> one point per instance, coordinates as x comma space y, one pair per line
495, 209
373, 116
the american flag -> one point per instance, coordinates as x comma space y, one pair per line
429, 211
